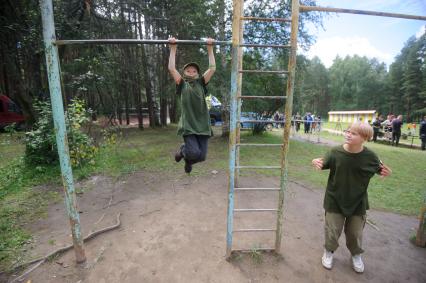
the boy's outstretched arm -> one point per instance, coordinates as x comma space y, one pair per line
172, 60
385, 170
212, 63
318, 163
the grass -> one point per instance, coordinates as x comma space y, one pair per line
152, 150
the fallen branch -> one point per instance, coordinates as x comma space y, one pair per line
28, 271
115, 203
40, 260
369, 222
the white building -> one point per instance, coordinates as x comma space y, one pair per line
352, 116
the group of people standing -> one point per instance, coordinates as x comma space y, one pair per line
311, 123
392, 129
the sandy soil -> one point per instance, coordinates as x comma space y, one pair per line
173, 230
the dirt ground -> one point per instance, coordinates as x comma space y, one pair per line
174, 230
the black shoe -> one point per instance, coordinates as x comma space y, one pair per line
188, 167
178, 154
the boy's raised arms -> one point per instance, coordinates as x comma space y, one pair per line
172, 60
212, 63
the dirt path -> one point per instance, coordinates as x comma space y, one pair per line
174, 231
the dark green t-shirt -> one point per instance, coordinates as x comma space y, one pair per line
194, 118
347, 184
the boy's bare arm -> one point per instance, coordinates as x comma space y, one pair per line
212, 63
318, 163
172, 58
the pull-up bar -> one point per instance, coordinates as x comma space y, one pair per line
137, 41
360, 12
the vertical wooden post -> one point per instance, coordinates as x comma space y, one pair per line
236, 22
52, 64
287, 126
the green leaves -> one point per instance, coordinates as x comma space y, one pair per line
41, 141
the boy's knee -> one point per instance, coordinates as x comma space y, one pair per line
192, 154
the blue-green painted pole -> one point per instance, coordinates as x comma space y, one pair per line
236, 25
52, 64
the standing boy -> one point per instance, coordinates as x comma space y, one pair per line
194, 123
351, 167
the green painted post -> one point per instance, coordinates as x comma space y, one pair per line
52, 64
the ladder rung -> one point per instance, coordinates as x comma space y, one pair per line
258, 167
265, 45
260, 96
254, 249
254, 230
260, 121
257, 189
265, 19
259, 144
263, 72
254, 209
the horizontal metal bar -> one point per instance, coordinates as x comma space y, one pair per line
259, 144
254, 209
136, 41
264, 72
258, 167
257, 189
265, 45
260, 96
254, 230
360, 12
253, 250
265, 19
260, 121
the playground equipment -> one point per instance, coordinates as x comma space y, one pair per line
53, 70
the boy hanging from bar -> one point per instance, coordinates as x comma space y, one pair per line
194, 124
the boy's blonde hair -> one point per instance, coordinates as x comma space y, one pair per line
363, 129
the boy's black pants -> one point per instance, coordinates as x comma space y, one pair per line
195, 148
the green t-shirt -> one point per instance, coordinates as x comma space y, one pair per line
347, 184
194, 118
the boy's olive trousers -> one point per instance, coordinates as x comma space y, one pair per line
353, 227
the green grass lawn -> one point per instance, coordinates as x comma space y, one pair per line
153, 149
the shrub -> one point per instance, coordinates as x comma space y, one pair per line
41, 141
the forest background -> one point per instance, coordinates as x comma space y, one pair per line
117, 81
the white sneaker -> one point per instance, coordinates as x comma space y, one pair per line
327, 259
357, 264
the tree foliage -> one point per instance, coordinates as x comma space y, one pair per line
359, 83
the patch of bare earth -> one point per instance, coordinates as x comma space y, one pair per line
174, 230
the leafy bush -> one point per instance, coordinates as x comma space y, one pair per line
41, 141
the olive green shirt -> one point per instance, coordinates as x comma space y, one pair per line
350, 174
194, 118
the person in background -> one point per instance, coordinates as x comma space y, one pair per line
396, 130
422, 132
377, 125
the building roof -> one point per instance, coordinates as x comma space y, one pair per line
353, 112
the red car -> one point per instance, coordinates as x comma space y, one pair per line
10, 113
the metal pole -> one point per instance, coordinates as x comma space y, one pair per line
232, 123
360, 12
135, 41
52, 64
287, 126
